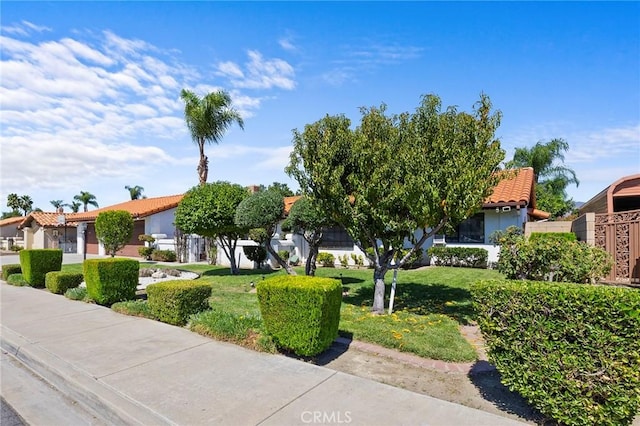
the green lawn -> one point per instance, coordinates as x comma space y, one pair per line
429, 306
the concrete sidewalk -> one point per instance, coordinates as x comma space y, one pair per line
127, 370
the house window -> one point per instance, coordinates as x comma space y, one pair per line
336, 238
471, 230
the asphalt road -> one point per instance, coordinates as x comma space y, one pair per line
9, 416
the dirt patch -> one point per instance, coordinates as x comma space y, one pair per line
476, 385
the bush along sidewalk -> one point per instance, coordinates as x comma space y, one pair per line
573, 351
301, 313
35, 264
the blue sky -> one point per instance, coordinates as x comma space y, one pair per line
90, 91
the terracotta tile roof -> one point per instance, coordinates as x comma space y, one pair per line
11, 220
137, 208
517, 189
288, 202
45, 219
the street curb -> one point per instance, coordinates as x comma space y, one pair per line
101, 400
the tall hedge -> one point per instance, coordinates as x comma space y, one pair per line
573, 351
111, 280
35, 264
174, 301
301, 313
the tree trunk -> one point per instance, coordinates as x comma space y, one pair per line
229, 248
203, 169
378, 295
310, 267
278, 259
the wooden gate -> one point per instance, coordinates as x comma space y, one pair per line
619, 234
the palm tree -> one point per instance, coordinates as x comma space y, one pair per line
86, 198
542, 158
57, 204
74, 206
207, 119
135, 192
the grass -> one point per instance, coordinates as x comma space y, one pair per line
429, 306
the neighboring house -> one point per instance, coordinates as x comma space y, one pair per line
512, 203
611, 220
152, 216
9, 233
49, 230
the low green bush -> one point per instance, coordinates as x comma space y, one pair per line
414, 261
553, 236
35, 263
301, 313
136, 308
552, 259
256, 254
10, 269
146, 252
78, 293
59, 282
111, 280
573, 351
163, 256
326, 259
470, 257
17, 280
228, 326
174, 301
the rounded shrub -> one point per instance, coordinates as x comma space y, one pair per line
328, 260
174, 301
111, 280
35, 264
301, 313
59, 282
17, 280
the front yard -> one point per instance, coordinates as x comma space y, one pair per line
430, 304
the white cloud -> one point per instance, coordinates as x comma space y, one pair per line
260, 73
287, 44
24, 28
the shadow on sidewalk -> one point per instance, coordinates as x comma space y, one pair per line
487, 380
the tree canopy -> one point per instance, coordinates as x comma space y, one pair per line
114, 229
263, 210
135, 192
86, 198
209, 210
551, 177
309, 221
395, 174
208, 118
22, 204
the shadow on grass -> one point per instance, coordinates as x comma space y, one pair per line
487, 380
248, 272
422, 299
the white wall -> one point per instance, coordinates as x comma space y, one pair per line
161, 223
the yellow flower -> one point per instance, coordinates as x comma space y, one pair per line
396, 335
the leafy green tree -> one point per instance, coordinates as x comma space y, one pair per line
281, 188
309, 221
12, 213
114, 229
263, 210
209, 210
86, 198
551, 177
135, 192
396, 174
22, 204
208, 118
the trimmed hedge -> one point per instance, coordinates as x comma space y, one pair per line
174, 301
111, 280
59, 282
573, 351
301, 313
473, 257
10, 269
35, 264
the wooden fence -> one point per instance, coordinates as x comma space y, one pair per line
619, 234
